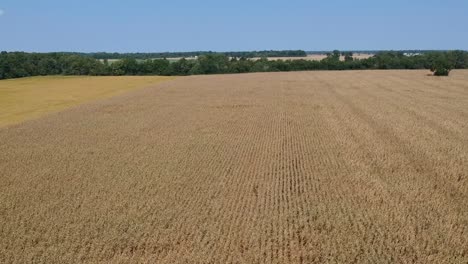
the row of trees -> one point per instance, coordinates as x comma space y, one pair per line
20, 64
162, 55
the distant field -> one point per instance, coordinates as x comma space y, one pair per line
27, 98
315, 57
295, 167
318, 57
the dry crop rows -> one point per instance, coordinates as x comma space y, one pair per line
338, 167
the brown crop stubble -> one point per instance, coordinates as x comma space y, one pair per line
304, 167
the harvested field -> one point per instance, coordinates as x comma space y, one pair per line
28, 98
297, 167
312, 57
318, 57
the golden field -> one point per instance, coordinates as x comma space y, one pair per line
296, 167
28, 98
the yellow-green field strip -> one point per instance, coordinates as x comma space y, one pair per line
29, 98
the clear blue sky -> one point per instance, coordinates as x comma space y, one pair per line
181, 25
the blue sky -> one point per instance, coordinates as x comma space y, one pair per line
181, 25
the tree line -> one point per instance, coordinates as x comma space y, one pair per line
163, 55
21, 64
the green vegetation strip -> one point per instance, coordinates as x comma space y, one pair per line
20, 64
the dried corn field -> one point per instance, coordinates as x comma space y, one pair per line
305, 167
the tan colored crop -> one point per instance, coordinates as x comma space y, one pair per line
304, 167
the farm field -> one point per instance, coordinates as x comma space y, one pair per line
318, 57
27, 98
313, 57
294, 167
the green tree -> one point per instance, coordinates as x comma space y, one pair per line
348, 56
213, 64
181, 67
261, 65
